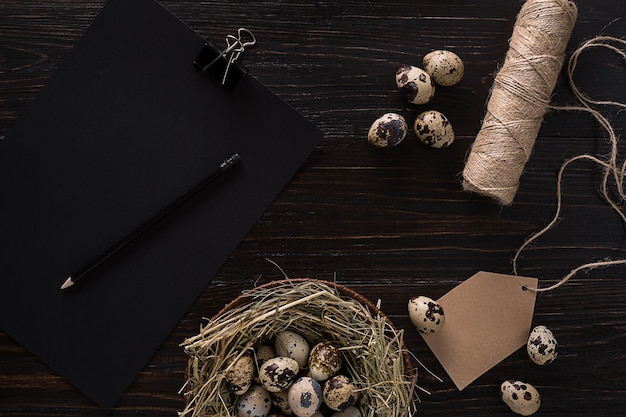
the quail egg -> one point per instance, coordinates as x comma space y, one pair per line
293, 345
388, 130
444, 67
415, 84
254, 403
305, 396
239, 374
277, 374
339, 393
263, 353
280, 400
521, 397
434, 129
426, 314
541, 346
348, 412
324, 361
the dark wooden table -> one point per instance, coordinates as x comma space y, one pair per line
390, 224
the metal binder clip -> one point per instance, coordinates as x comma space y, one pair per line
207, 61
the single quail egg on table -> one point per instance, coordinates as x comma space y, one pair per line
426, 314
415, 84
541, 346
444, 67
521, 397
388, 130
434, 129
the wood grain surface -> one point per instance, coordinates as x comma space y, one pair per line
389, 224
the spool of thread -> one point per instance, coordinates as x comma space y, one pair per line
519, 98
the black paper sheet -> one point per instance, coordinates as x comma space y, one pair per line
125, 126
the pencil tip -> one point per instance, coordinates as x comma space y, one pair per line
231, 161
68, 283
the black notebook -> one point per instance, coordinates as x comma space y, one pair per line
125, 126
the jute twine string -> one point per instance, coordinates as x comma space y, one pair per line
519, 98
614, 172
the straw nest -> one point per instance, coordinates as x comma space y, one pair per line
373, 350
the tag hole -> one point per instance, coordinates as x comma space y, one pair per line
524, 288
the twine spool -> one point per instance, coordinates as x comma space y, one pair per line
519, 98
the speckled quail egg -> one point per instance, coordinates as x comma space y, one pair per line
280, 400
434, 129
262, 353
426, 314
324, 361
254, 403
388, 130
305, 396
415, 84
239, 374
293, 345
339, 393
265, 352
541, 346
521, 397
444, 67
277, 374
348, 412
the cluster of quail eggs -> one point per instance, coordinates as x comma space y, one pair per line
521, 397
417, 85
291, 378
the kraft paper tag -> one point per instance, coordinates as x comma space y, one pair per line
488, 317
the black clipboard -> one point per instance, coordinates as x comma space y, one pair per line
125, 125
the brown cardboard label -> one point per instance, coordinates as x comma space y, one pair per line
488, 317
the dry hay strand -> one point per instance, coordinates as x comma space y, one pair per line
373, 350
